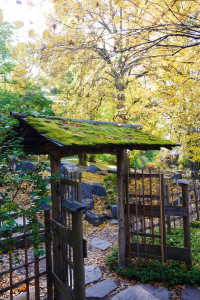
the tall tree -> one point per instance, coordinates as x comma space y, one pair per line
118, 37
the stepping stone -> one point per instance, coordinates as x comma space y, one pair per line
92, 274
143, 292
101, 289
190, 294
114, 222
100, 244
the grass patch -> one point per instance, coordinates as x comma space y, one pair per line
171, 273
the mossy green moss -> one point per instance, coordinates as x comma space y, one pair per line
71, 133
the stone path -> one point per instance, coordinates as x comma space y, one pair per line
98, 286
102, 289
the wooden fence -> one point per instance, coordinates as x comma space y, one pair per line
21, 268
152, 208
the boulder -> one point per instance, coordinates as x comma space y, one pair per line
86, 190
94, 218
107, 216
25, 166
176, 176
69, 166
98, 190
93, 169
114, 211
89, 203
44, 205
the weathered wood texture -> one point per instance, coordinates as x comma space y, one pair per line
56, 216
122, 170
69, 230
28, 262
149, 209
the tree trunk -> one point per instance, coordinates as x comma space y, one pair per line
83, 159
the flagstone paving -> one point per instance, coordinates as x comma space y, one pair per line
100, 244
101, 289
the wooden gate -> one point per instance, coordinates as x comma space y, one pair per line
147, 213
68, 263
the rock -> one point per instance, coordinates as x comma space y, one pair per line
92, 274
190, 294
101, 289
89, 203
176, 176
114, 211
93, 169
25, 166
142, 291
114, 222
100, 244
107, 216
86, 190
112, 170
94, 218
44, 205
98, 190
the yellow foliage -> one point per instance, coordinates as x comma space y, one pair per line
1, 16
32, 33
46, 34
18, 24
116, 20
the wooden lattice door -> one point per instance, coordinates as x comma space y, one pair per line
147, 214
69, 283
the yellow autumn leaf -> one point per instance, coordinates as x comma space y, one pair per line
18, 24
32, 33
116, 20
119, 2
1, 17
45, 34
21, 47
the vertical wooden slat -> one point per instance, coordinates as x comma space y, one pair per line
152, 218
78, 259
136, 203
186, 220
144, 240
167, 203
26, 258
36, 268
128, 221
121, 211
11, 272
162, 217
56, 215
48, 254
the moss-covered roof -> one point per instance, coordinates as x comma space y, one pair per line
73, 133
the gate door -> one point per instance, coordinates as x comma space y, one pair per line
69, 282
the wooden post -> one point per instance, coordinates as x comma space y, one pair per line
78, 259
48, 254
186, 219
167, 203
56, 215
122, 164
162, 218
